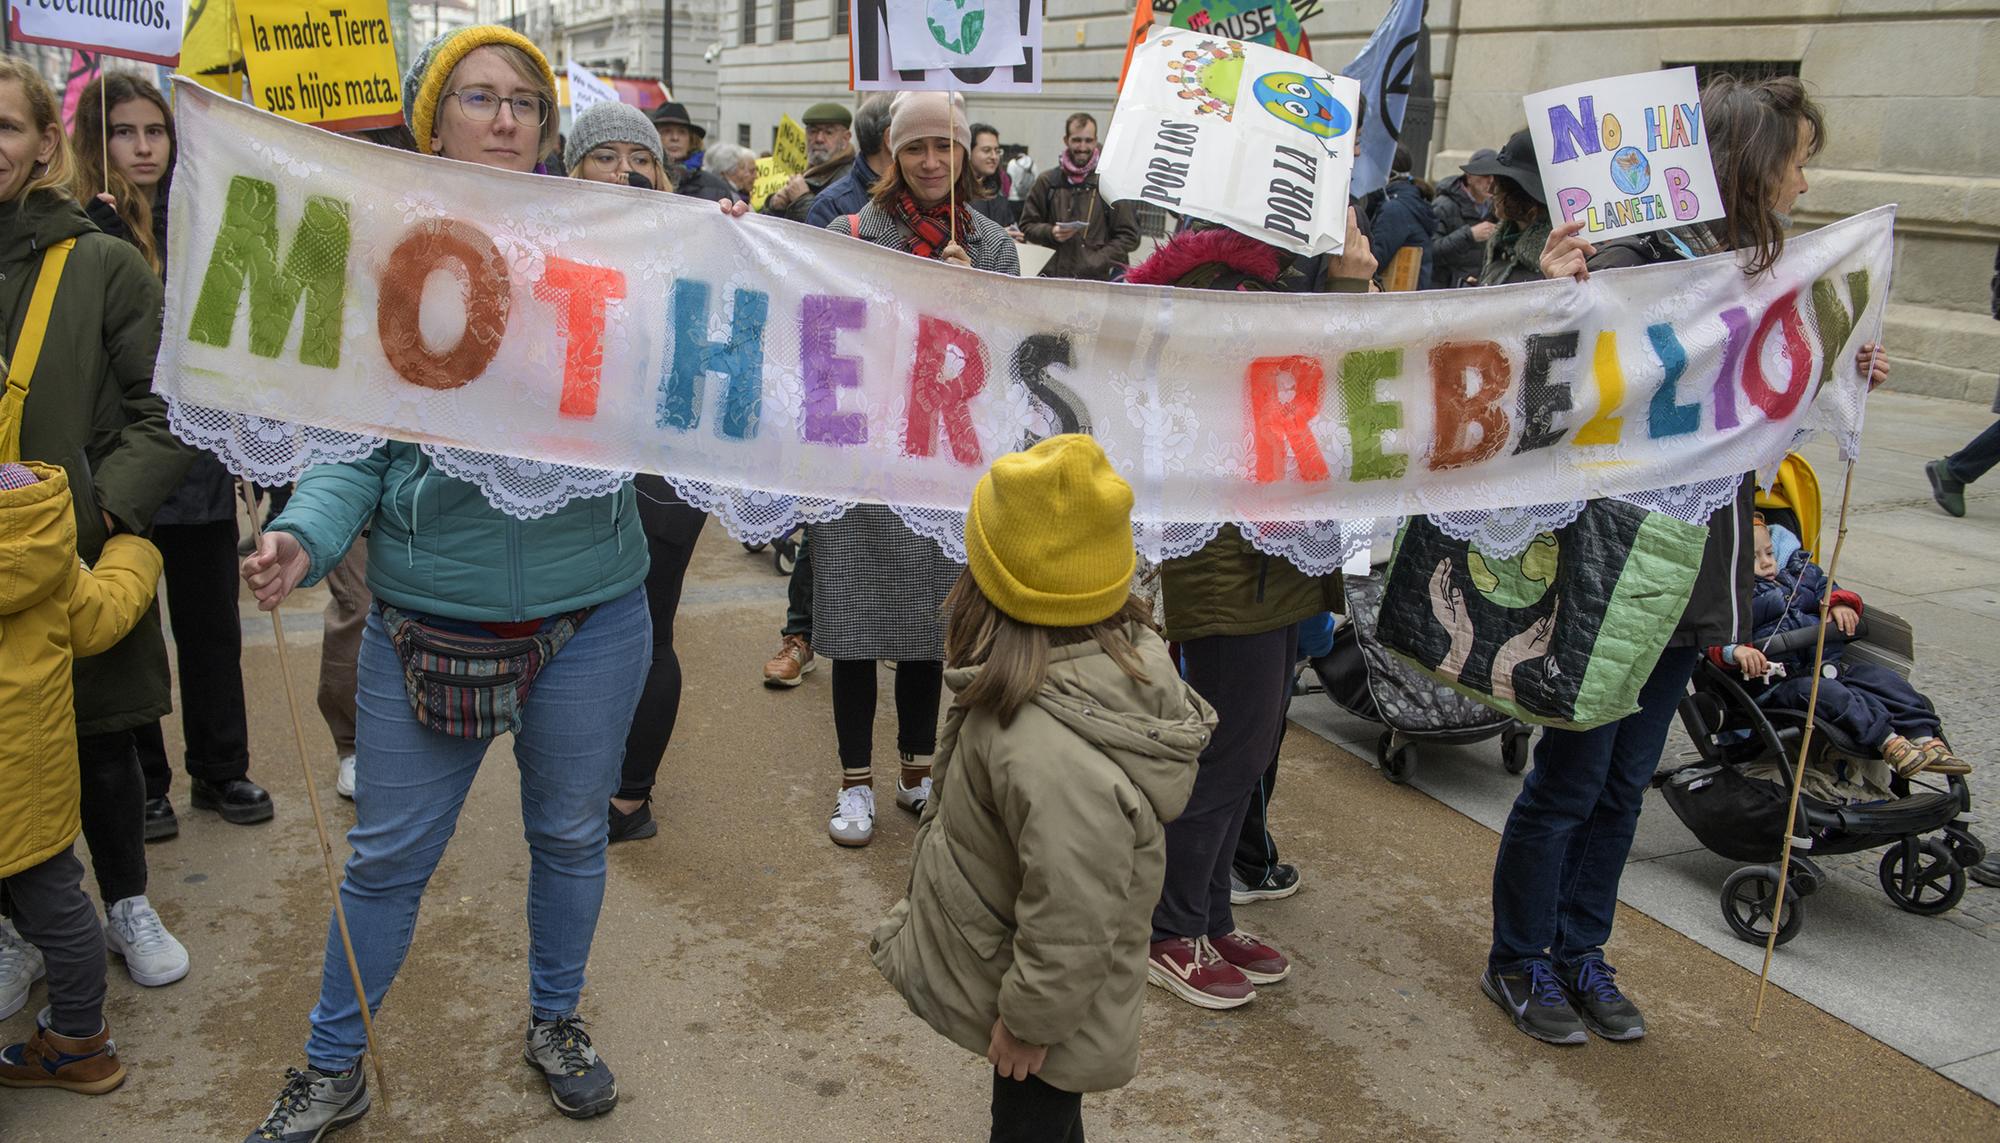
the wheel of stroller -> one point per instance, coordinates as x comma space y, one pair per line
1930, 884
750, 547
1746, 905
1966, 849
1397, 761
785, 556
1514, 750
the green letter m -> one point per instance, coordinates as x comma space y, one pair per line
247, 247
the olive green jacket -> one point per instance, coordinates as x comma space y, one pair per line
1231, 588
1039, 860
91, 410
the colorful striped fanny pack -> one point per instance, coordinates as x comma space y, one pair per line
473, 685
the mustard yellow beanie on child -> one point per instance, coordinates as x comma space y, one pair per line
1049, 534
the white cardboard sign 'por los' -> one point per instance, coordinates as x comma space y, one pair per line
1627, 154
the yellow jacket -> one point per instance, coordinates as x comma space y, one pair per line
52, 608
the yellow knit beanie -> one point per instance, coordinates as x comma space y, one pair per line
1049, 535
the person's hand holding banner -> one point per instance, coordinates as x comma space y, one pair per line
1253, 138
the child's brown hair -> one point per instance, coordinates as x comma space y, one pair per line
1014, 656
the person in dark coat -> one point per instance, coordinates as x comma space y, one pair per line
1513, 252
987, 174
1563, 850
1949, 475
1463, 206
1404, 219
129, 147
1066, 212
872, 156
681, 141
829, 153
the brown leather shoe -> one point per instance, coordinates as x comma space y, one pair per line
789, 667
89, 1065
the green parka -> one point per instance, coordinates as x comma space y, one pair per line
1039, 860
91, 410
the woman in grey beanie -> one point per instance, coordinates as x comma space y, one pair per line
611, 141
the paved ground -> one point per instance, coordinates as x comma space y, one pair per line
731, 989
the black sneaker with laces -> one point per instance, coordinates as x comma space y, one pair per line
1280, 882
1534, 999
312, 1104
580, 1084
1603, 1009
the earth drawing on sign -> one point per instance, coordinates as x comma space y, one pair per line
1208, 75
956, 24
1630, 170
1305, 103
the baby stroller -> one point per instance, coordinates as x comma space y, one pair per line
1366, 681
1743, 818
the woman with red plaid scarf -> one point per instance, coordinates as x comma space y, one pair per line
879, 588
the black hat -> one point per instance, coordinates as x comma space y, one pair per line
672, 114
1514, 161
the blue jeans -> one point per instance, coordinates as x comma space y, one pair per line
1980, 454
410, 783
1555, 882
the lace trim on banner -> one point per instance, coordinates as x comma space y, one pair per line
757, 517
262, 450
524, 489
1315, 547
1506, 532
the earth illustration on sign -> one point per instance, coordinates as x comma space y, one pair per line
1305, 103
956, 24
1208, 75
1630, 170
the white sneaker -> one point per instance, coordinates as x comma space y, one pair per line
913, 798
20, 967
134, 932
853, 820
344, 785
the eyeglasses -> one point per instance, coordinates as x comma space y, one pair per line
605, 159
482, 106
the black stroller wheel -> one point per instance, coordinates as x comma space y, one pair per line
785, 556
1514, 748
1397, 760
1922, 878
1747, 905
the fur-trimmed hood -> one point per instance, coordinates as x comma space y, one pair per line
1191, 249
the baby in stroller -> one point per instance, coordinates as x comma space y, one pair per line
1875, 706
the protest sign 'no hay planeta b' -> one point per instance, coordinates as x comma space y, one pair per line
1625, 154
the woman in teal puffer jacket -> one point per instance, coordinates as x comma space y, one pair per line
440, 555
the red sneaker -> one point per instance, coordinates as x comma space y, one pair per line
1191, 970
1258, 962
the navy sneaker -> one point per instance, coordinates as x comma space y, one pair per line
1604, 1010
1534, 999
580, 1084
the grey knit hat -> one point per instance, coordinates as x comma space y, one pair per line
602, 123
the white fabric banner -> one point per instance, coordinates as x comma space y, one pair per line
367, 293
1257, 139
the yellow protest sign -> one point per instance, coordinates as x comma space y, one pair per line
770, 179
332, 65
789, 151
208, 55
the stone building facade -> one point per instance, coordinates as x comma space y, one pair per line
1911, 89
623, 37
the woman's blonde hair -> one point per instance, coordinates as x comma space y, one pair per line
890, 183
94, 170
58, 173
529, 72
1013, 656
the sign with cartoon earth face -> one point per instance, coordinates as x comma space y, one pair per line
930, 34
1625, 155
1259, 140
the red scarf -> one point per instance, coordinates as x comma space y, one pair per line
931, 228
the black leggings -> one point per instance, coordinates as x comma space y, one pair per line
1030, 1111
114, 813
672, 527
208, 646
919, 686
